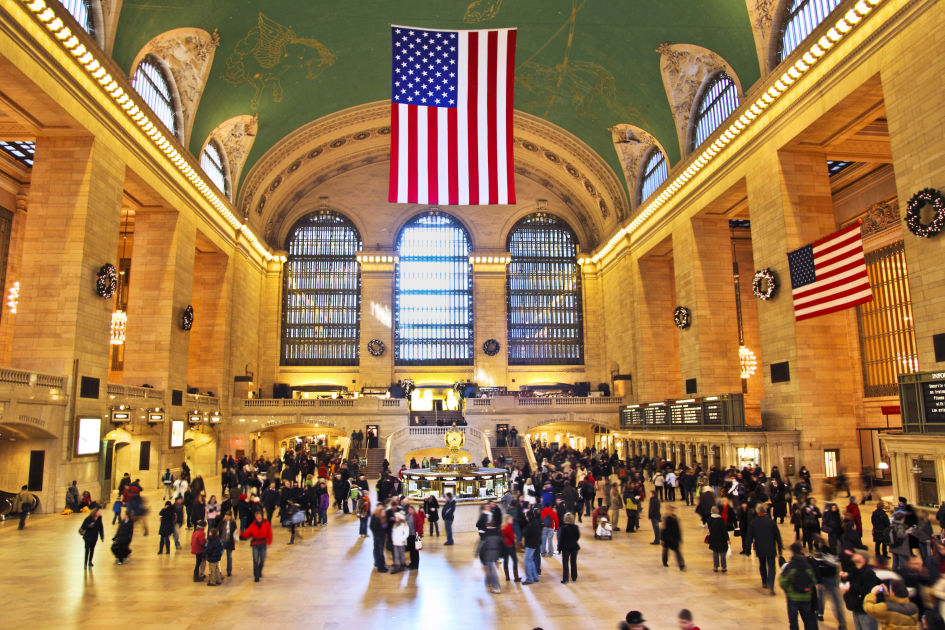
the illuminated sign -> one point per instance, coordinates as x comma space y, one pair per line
89, 440
177, 433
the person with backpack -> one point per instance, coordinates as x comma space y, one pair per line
549, 525
899, 538
91, 531
799, 582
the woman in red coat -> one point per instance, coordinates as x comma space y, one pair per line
853, 513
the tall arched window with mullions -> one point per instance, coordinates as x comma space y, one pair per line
719, 99
433, 309
544, 293
653, 173
321, 311
152, 83
800, 19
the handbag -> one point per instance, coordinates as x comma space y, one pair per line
82, 531
706, 541
418, 544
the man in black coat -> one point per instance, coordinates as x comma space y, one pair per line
859, 582
653, 513
765, 535
671, 536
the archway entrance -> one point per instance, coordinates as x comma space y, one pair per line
275, 441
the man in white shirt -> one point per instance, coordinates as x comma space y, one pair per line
670, 486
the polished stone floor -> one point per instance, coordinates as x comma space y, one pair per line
326, 582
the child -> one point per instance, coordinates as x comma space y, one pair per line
116, 508
214, 551
685, 620
398, 536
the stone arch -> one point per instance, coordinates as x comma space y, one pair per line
187, 55
685, 69
633, 144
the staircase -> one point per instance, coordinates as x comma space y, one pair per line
514, 455
375, 462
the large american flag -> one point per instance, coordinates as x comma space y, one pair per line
830, 274
451, 116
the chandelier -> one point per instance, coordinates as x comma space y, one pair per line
747, 362
119, 324
13, 298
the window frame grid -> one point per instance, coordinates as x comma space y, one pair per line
435, 335
330, 277
885, 325
653, 173
156, 91
23, 151
535, 281
801, 19
718, 100
218, 166
81, 10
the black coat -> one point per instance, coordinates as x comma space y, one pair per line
532, 534
168, 519
670, 535
718, 534
93, 529
881, 525
765, 535
569, 538
861, 582
653, 513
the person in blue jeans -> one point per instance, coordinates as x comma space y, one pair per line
449, 511
549, 525
532, 537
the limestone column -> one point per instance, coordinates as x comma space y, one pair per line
491, 317
656, 344
790, 204
377, 316
207, 347
270, 326
160, 288
14, 265
708, 349
595, 352
61, 322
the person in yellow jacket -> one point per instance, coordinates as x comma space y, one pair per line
891, 607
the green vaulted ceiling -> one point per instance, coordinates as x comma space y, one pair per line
584, 65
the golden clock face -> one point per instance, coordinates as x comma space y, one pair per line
455, 439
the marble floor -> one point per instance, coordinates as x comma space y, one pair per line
327, 582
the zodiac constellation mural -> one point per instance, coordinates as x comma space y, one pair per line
267, 52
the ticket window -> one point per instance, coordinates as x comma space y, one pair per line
748, 457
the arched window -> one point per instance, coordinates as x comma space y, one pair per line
433, 308
211, 161
81, 10
719, 99
544, 293
153, 86
801, 17
322, 292
653, 173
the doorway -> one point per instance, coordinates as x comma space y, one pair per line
831, 462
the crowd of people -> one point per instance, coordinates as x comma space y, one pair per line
901, 584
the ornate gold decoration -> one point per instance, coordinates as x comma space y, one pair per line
881, 216
268, 51
479, 11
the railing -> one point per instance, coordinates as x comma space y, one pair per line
391, 402
199, 399
118, 390
530, 454
347, 449
25, 377
481, 402
533, 402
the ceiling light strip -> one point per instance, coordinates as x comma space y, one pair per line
86, 58
843, 27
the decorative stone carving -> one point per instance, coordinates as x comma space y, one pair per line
236, 135
880, 217
632, 144
188, 53
761, 13
685, 68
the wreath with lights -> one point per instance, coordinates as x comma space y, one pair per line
682, 317
187, 318
764, 284
376, 347
107, 282
491, 347
926, 196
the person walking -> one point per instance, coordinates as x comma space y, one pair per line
198, 547
228, 536
121, 542
260, 534
378, 525
569, 547
856, 584
168, 480
718, 540
398, 536
549, 525
168, 517
671, 537
532, 539
799, 582
24, 503
92, 530
653, 513
364, 513
490, 550
764, 534
449, 512
508, 547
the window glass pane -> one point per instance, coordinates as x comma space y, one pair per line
719, 100
81, 10
544, 294
654, 173
22, 151
212, 164
801, 17
149, 81
433, 294
887, 336
322, 292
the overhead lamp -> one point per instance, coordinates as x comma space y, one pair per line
13, 297
118, 327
